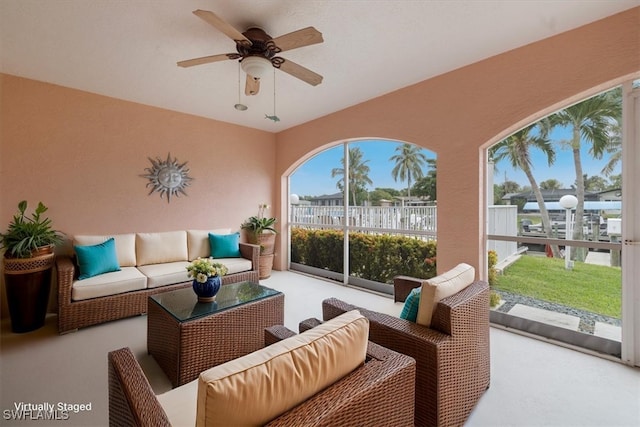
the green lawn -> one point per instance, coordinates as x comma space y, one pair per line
588, 287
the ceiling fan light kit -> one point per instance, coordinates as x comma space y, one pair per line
256, 66
256, 51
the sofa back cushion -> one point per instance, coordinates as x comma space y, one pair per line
258, 387
198, 242
125, 246
442, 286
157, 248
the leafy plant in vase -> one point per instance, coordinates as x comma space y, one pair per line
261, 231
28, 260
207, 278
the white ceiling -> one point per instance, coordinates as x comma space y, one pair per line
129, 49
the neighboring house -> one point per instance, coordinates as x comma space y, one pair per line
611, 195
328, 200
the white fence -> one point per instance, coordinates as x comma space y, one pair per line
503, 220
416, 220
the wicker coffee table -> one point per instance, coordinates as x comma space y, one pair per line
186, 337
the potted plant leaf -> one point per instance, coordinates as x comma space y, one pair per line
261, 231
28, 260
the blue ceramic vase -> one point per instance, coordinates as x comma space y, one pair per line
207, 291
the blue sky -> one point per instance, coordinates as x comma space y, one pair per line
563, 169
314, 177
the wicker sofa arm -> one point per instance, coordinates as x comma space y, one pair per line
131, 399
251, 252
65, 270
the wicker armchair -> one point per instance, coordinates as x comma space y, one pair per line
452, 356
381, 392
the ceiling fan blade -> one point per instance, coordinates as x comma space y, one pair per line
300, 72
213, 19
252, 86
305, 37
205, 60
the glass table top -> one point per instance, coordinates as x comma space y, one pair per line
183, 304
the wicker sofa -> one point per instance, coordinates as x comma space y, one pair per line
379, 391
452, 355
148, 263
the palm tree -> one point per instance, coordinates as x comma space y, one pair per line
589, 121
515, 149
426, 186
551, 184
409, 162
358, 174
614, 148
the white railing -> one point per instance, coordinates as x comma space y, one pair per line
419, 219
409, 220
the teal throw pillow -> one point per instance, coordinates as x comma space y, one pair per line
97, 259
410, 309
225, 245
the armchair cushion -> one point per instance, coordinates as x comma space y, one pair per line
283, 375
442, 286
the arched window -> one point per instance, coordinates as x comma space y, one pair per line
367, 207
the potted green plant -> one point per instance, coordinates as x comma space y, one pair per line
261, 231
28, 260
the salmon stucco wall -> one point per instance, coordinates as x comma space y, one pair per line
460, 113
83, 155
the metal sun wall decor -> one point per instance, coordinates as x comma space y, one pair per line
167, 177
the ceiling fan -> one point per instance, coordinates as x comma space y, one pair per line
257, 51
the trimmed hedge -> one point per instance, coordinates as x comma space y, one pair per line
372, 257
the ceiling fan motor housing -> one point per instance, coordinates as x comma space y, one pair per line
262, 44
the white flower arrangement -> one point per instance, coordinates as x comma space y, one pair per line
203, 268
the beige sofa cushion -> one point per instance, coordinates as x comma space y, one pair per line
125, 246
164, 274
116, 282
442, 286
158, 248
235, 265
198, 242
258, 387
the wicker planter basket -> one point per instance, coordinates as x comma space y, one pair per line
28, 265
28, 282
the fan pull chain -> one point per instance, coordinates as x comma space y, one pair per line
239, 106
274, 117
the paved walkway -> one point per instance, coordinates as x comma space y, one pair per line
566, 321
598, 258
560, 316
